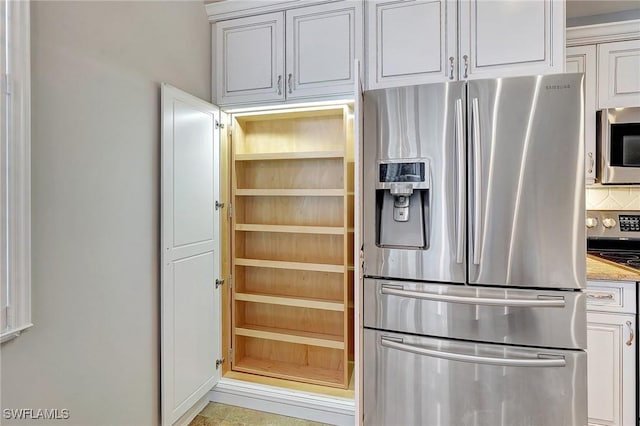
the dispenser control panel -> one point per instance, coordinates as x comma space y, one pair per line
413, 173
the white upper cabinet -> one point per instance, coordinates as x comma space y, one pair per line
619, 74
508, 38
423, 41
250, 59
583, 59
304, 52
322, 43
410, 42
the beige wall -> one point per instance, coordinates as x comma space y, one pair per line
96, 69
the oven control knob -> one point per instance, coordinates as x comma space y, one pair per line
609, 222
592, 222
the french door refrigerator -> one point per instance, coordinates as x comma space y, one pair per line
474, 253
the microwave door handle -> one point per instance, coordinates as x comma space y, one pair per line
477, 182
552, 302
544, 360
459, 124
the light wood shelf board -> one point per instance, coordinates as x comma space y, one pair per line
291, 336
300, 386
320, 267
290, 192
290, 301
300, 155
313, 375
295, 229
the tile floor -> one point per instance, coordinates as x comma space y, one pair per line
228, 415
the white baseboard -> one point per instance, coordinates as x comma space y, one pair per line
192, 412
303, 405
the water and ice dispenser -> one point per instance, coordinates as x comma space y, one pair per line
402, 204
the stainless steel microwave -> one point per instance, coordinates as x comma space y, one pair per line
618, 150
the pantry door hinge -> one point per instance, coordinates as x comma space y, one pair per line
231, 355
219, 362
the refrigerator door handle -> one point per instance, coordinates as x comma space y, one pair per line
477, 183
541, 302
461, 192
544, 360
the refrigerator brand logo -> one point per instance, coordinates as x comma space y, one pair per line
558, 86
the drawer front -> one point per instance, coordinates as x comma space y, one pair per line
411, 380
527, 317
611, 296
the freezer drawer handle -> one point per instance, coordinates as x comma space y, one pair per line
558, 302
544, 360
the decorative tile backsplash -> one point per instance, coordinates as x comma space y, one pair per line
614, 198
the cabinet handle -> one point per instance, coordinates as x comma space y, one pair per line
599, 296
280, 84
591, 162
631, 335
289, 83
466, 66
451, 68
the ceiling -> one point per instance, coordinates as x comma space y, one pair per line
580, 8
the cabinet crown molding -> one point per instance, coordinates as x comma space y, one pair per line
230, 9
603, 33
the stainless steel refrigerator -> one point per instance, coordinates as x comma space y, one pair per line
474, 253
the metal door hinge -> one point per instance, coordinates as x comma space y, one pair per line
230, 211
219, 362
230, 281
219, 283
231, 355
219, 205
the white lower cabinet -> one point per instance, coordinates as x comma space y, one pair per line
611, 348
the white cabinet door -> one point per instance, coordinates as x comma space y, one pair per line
583, 59
619, 74
249, 60
322, 43
501, 38
410, 42
611, 351
190, 245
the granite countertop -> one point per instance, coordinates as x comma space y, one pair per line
601, 269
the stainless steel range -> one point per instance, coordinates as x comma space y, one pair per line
614, 236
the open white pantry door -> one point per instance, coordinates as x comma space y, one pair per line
190, 244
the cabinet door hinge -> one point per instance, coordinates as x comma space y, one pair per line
219, 362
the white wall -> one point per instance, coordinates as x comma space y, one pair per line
96, 66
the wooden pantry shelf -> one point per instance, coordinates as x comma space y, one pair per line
291, 336
299, 302
289, 371
291, 192
300, 266
298, 155
254, 227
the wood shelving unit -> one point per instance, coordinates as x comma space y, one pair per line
292, 245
